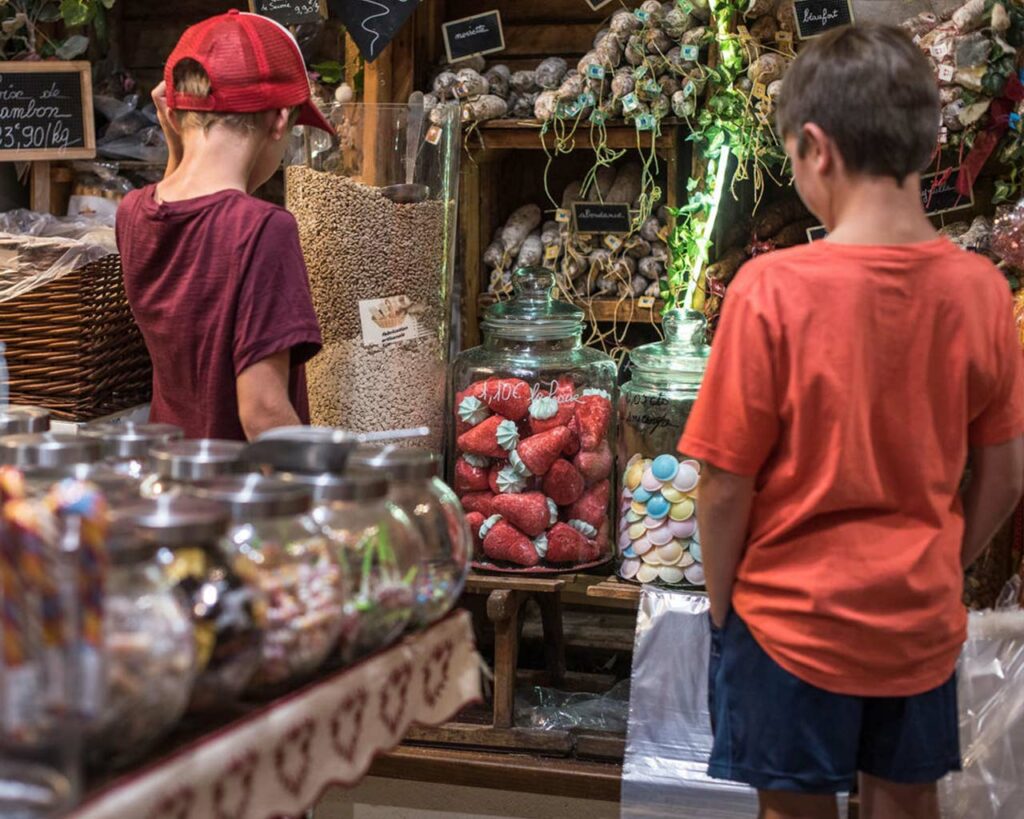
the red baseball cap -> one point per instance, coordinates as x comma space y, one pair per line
254, 64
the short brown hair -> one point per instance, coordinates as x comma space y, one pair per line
872, 91
189, 77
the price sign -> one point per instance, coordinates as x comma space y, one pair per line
816, 233
46, 111
594, 217
939, 193
372, 23
290, 12
817, 17
470, 36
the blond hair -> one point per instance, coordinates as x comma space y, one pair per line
190, 78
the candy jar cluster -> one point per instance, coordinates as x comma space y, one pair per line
658, 539
533, 429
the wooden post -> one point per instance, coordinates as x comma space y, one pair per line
503, 610
40, 190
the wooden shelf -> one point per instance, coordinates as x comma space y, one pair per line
499, 134
603, 310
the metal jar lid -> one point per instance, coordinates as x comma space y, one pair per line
326, 488
199, 460
48, 449
131, 440
397, 464
177, 520
255, 497
310, 450
16, 420
111, 482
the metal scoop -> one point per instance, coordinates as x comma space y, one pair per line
410, 192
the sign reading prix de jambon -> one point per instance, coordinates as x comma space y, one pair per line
46, 111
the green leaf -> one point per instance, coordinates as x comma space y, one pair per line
331, 71
75, 12
73, 46
49, 12
108, 4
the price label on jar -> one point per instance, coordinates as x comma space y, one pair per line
389, 320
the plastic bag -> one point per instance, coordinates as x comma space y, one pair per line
1008, 235
550, 709
134, 134
37, 248
991, 699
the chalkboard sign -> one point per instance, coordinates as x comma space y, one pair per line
942, 196
290, 12
596, 4
816, 233
479, 34
594, 217
817, 17
372, 23
46, 111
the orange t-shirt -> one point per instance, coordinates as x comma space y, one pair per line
851, 381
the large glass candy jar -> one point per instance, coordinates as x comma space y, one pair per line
658, 540
533, 421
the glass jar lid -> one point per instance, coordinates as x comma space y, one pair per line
131, 440
16, 420
683, 355
327, 487
310, 450
109, 480
533, 312
177, 520
398, 464
255, 497
197, 460
48, 449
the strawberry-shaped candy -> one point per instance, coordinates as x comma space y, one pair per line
475, 521
548, 411
503, 541
593, 416
469, 478
592, 507
503, 479
573, 446
469, 411
493, 438
482, 502
530, 512
539, 451
563, 483
594, 466
508, 397
566, 545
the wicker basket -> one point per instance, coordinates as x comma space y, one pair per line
73, 346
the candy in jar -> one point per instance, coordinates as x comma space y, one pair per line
657, 537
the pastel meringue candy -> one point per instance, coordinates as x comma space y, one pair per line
647, 573
682, 529
634, 475
672, 575
489, 524
507, 435
665, 467
661, 536
695, 574
670, 553
479, 461
517, 464
695, 551
603, 393
543, 407
649, 482
629, 568
552, 512
687, 478
509, 481
583, 528
473, 411
642, 545
540, 543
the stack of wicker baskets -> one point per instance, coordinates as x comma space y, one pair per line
72, 344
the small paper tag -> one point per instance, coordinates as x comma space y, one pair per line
645, 302
586, 99
744, 33
460, 89
433, 135
917, 39
639, 72
598, 117
641, 15
563, 216
689, 89
663, 234
646, 122
466, 115
689, 52
630, 102
686, 6
760, 90
940, 50
595, 72
946, 73
388, 321
943, 135
613, 243
552, 251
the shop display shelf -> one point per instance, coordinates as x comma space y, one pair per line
602, 310
277, 759
526, 134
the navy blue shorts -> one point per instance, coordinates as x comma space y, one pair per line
773, 731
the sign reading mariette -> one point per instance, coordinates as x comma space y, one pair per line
479, 34
46, 111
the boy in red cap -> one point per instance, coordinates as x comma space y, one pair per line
215, 277
848, 382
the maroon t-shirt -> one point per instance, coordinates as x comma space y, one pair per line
216, 284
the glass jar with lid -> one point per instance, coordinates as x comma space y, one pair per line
447, 544
375, 539
534, 426
45, 457
227, 611
149, 650
658, 540
177, 463
18, 420
287, 556
127, 446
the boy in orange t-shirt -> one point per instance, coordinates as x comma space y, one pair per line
849, 380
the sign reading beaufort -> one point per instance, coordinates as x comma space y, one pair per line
817, 17
46, 111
